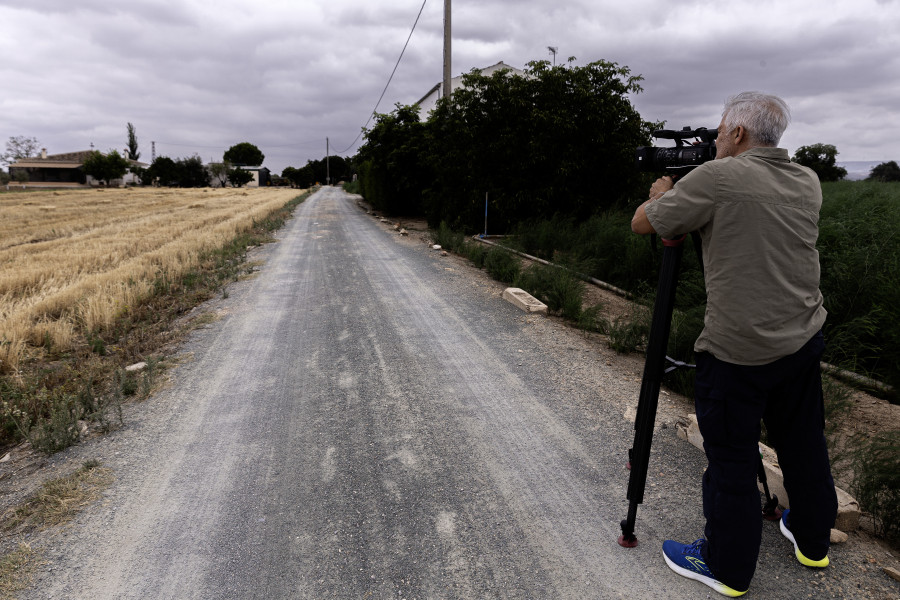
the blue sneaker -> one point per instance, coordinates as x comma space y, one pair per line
686, 560
808, 562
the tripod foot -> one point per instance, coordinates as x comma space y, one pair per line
629, 542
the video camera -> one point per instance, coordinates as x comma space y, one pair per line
684, 156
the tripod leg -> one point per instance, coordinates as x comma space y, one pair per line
654, 367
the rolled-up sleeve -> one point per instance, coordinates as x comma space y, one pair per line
686, 207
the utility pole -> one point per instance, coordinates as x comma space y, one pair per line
553, 50
447, 91
327, 162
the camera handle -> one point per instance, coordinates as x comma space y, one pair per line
648, 401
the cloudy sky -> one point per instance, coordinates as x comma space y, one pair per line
197, 76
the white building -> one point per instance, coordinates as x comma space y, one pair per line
427, 103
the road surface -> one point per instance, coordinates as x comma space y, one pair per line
369, 419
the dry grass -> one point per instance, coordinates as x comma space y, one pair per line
72, 262
58, 500
16, 570
55, 503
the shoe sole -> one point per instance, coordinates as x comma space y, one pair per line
806, 562
716, 585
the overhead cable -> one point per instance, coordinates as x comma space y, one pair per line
380, 98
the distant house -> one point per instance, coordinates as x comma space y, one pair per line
262, 177
61, 170
427, 103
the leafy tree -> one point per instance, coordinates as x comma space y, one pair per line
191, 172
219, 172
821, 159
163, 171
244, 154
184, 172
106, 167
560, 139
19, 147
887, 171
289, 173
4, 178
132, 153
316, 171
239, 177
393, 162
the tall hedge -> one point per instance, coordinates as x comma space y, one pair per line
556, 140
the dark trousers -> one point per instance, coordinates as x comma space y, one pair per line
731, 400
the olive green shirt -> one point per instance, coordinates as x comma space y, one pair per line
757, 215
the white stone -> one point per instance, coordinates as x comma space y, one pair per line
524, 300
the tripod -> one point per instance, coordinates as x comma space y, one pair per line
654, 370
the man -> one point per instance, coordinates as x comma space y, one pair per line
758, 354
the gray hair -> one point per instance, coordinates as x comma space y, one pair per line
764, 116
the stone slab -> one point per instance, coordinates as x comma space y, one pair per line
525, 301
848, 508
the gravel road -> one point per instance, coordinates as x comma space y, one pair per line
368, 419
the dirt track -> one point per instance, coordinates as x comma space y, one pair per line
369, 419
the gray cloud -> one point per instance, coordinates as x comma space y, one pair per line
199, 76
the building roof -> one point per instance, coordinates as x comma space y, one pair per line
66, 160
428, 101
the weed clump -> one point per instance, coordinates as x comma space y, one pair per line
876, 481
560, 289
502, 265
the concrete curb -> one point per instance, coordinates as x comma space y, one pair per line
848, 508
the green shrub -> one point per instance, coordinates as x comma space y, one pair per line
628, 334
590, 319
558, 288
858, 232
475, 252
876, 482
502, 265
446, 238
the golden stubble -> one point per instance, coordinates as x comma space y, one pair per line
72, 262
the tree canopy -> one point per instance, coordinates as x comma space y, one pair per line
560, 139
821, 159
184, 172
239, 177
132, 152
394, 162
315, 171
244, 154
105, 167
887, 171
19, 147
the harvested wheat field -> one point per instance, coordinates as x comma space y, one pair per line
72, 262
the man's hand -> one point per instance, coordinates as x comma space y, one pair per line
639, 223
661, 186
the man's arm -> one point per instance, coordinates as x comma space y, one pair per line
639, 223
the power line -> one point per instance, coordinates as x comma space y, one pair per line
380, 98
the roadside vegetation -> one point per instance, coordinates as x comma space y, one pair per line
55, 503
93, 282
859, 229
